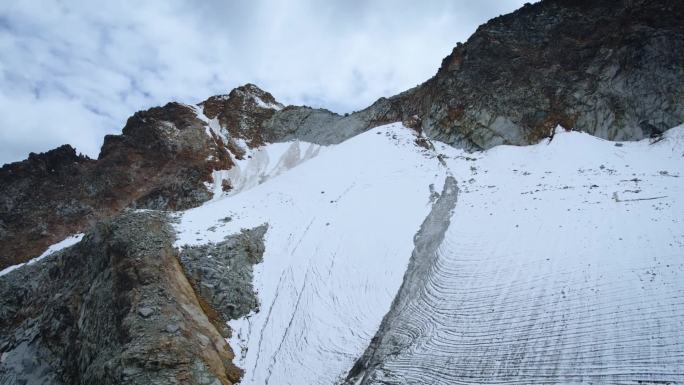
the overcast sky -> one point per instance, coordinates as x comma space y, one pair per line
73, 71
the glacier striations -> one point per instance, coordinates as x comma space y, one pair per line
561, 263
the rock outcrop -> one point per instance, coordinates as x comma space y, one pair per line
160, 161
242, 112
222, 273
614, 69
117, 308
430, 236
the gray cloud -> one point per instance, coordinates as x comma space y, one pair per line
72, 71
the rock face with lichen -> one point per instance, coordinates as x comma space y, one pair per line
159, 162
222, 272
162, 160
614, 69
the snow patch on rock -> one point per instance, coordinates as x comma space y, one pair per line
63, 244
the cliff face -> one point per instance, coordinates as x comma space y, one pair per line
158, 162
614, 69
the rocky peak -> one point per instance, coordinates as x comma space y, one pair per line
251, 94
167, 130
242, 112
246, 97
58, 157
162, 160
614, 69
54, 161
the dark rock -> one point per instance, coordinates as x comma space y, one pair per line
222, 272
614, 69
84, 315
242, 112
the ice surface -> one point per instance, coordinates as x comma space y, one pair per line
544, 277
340, 234
563, 261
261, 164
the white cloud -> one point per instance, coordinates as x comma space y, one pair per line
73, 71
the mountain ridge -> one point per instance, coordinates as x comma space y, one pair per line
612, 69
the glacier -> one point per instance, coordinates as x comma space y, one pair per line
395, 260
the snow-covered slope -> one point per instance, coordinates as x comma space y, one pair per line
561, 262
341, 230
260, 164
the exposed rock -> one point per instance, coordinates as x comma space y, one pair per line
388, 340
172, 328
161, 161
222, 273
145, 311
117, 307
614, 69
242, 112
107, 310
325, 127
36, 198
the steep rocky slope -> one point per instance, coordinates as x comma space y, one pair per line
611, 68
162, 160
614, 69
117, 308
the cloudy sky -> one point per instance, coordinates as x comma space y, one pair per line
73, 71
